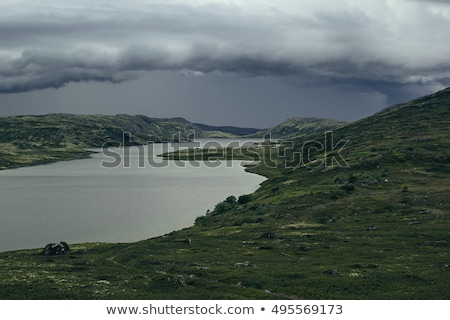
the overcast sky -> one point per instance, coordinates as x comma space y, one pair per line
248, 63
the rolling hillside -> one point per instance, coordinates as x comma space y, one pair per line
299, 127
31, 140
28, 140
365, 219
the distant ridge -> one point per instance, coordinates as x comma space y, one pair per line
299, 126
228, 129
61, 130
35, 139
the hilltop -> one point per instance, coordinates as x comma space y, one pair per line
362, 214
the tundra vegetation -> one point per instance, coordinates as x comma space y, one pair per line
376, 228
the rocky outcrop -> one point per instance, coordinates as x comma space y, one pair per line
53, 249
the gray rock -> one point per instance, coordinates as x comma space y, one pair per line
268, 235
53, 249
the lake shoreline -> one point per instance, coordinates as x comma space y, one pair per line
42, 156
115, 182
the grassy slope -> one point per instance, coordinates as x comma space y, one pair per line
379, 229
299, 127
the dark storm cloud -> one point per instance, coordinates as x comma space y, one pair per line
365, 43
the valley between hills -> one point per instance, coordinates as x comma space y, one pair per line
365, 215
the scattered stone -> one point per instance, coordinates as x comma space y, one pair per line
305, 248
53, 249
414, 222
203, 268
268, 235
331, 272
371, 228
243, 264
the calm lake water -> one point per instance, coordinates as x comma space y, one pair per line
80, 201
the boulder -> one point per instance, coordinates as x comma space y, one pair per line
53, 249
268, 235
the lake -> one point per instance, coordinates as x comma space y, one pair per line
81, 201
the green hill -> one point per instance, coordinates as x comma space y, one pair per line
299, 127
27, 140
366, 219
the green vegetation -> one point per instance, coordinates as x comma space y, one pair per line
299, 127
31, 140
12, 156
378, 228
